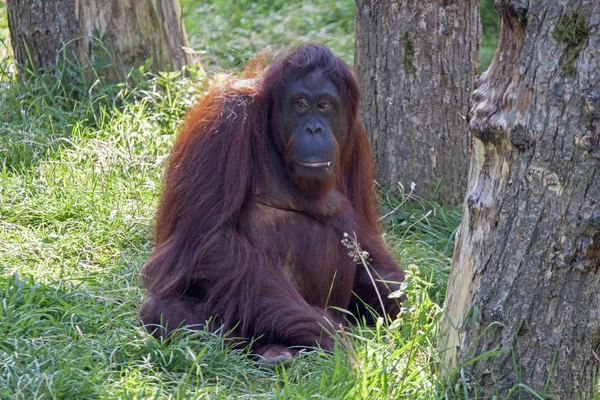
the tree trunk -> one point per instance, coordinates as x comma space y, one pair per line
125, 33
416, 62
525, 278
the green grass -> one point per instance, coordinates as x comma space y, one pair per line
490, 21
229, 33
4, 34
80, 173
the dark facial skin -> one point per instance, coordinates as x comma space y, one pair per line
313, 127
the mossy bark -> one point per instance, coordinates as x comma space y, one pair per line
416, 61
122, 33
523, 300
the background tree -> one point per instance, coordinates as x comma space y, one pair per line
416, 62
524, 288
123, 33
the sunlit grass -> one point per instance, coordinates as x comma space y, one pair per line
5, 50
229, 33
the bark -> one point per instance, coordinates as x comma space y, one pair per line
416, 62
124, 33
525, 278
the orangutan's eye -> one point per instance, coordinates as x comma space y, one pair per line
302, 104
324, 106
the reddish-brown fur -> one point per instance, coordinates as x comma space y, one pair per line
241, 241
